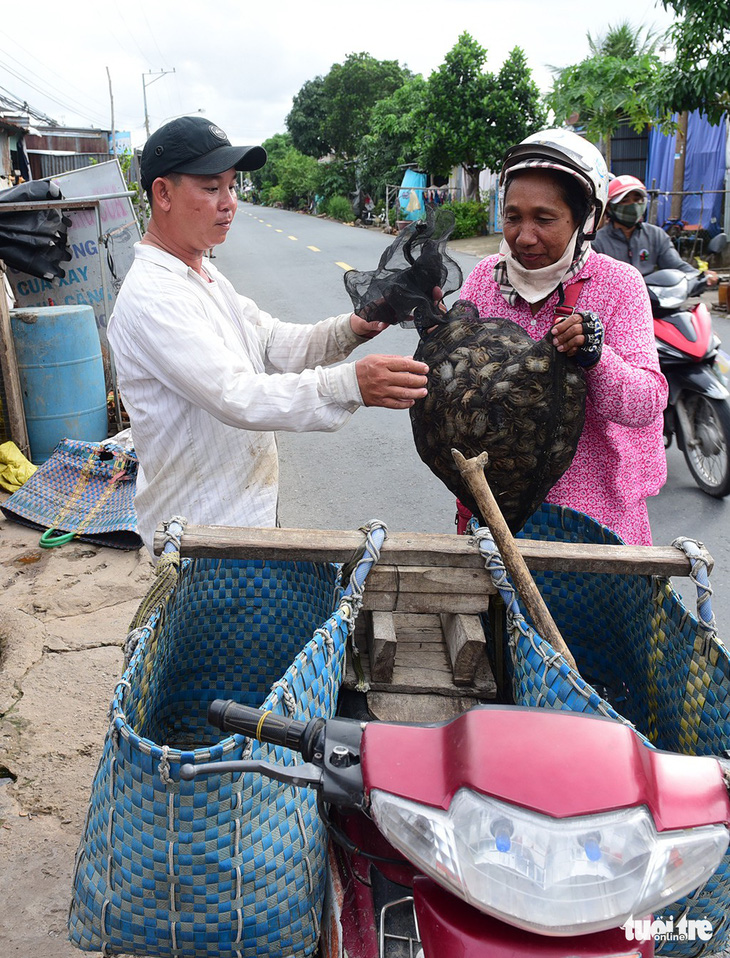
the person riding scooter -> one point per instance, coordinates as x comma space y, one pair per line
626, 237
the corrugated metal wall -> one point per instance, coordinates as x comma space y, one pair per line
629, 151
50, 164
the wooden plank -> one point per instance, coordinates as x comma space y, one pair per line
466, 645
424, 667
381, 645
423, 549
423, 602
14, 411
419, 707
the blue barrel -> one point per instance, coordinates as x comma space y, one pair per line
61, 376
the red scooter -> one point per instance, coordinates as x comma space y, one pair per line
698, 411
504, 832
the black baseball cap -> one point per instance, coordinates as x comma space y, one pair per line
192, 144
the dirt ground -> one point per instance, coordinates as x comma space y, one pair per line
64, 614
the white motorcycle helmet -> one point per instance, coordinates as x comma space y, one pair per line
565, 151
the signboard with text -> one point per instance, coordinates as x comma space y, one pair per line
113, 252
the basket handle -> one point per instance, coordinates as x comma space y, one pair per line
701, 563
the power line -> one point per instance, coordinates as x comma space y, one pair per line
49, 96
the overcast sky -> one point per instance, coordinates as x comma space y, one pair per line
241, 63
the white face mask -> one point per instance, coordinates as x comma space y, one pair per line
534, 285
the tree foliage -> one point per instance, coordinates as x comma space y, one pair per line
699, 77
350, 91
617, 82
276, 148
471, 115
305, 121
391, 142
299, 177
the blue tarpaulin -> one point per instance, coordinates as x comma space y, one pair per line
704, 171
410, 197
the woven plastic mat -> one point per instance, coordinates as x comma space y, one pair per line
225, 865
644, 659
83, 488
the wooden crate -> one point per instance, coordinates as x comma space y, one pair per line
420, 666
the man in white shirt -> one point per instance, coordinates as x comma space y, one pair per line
205, 375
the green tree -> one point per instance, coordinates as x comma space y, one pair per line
299, 177
351, 90
617, 82
699, 77
276, 147
471, 116
305, 121
393, 137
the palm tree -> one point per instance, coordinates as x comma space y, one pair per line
623, 42
614, 83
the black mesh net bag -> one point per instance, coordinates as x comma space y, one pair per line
401, 288
491, 388
494, 389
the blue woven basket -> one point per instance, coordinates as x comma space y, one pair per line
84, 488
224, 865
643, 658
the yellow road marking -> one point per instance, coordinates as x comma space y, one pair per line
293, 238
314, 249
280, 231
344, 265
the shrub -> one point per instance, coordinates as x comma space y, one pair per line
471, 216
339, 208
274, 195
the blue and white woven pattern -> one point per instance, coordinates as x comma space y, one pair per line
224, 865
85, 488
644, 659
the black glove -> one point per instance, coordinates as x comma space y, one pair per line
590, 352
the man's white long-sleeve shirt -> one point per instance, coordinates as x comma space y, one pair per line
207, 377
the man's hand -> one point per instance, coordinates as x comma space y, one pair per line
394, 382
361, 327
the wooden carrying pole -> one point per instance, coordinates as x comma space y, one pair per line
472, 471
14, 411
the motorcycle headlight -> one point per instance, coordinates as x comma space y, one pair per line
552, 876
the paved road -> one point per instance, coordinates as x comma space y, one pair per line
293, 265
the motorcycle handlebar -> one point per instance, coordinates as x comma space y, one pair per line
265, 726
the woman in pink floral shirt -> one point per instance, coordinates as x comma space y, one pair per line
555, 187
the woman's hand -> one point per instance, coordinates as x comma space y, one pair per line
568, 334
580, 335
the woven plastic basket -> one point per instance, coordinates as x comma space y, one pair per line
84, 488
643, 659
225, 865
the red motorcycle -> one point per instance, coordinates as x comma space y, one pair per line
698, 412
505, 831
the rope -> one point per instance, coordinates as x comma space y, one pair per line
375, 533
700, 559
166, 576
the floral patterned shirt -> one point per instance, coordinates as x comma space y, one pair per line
620, 457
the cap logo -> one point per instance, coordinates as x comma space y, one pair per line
216, 131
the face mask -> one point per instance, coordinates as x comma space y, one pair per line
628, 214
534, 285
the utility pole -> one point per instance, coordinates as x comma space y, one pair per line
156, 76
679, 163
111, 100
